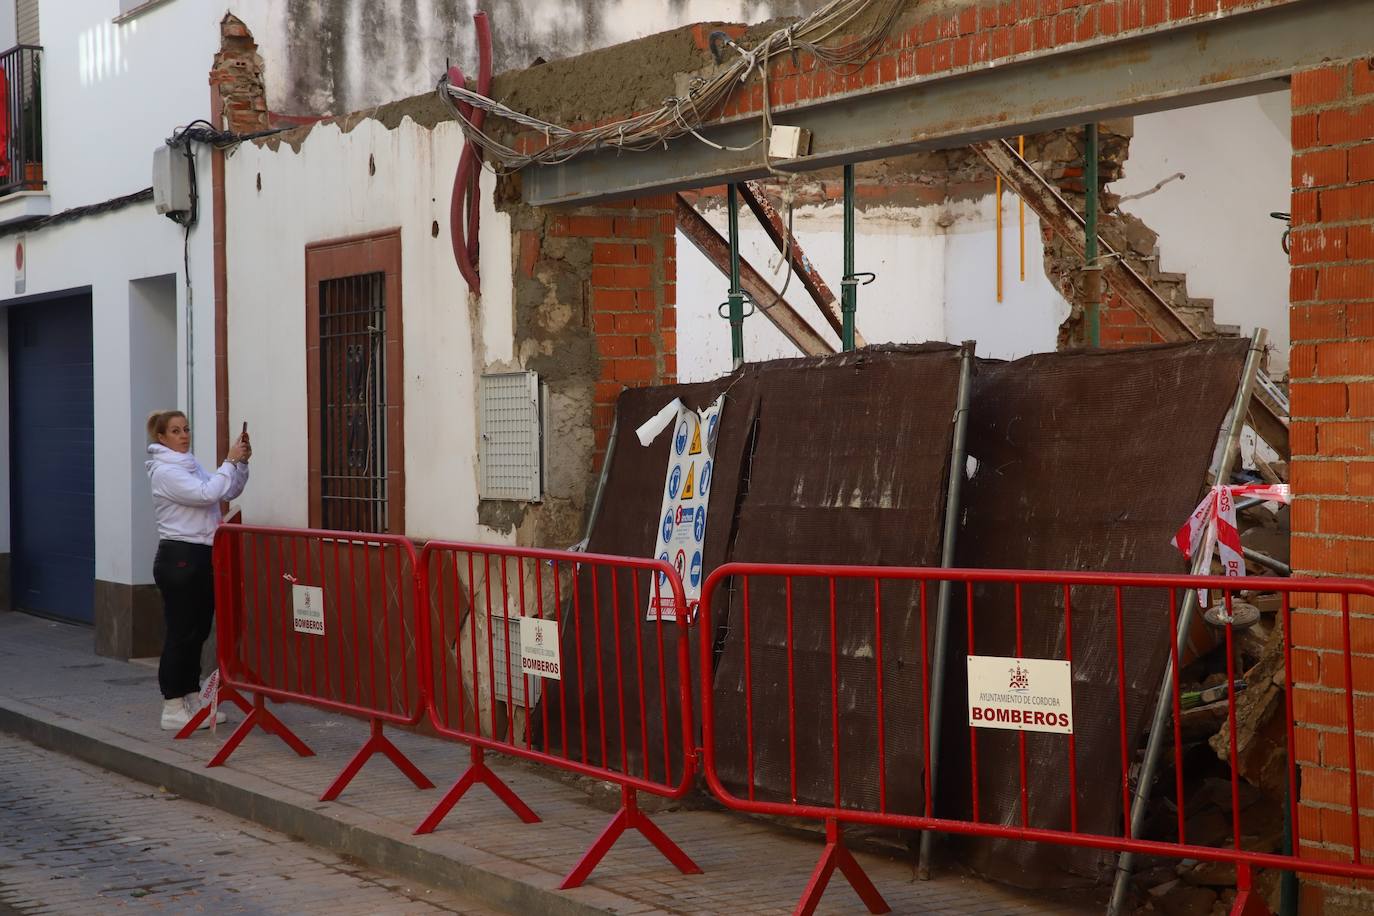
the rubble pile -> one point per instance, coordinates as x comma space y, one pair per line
1192, 888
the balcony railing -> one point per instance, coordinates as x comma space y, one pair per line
21, 120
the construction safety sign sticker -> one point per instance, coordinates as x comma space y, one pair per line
686, 494
1020, 694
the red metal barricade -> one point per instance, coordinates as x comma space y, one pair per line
330, 619
614, 701
835, 617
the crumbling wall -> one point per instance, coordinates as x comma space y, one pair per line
594, 312
336, 56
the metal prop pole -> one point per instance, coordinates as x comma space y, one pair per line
957, 459
1159, 728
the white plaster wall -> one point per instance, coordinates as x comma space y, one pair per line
153, 379
111, 94
355, 67
7, 28
106, 253
1214, 223
936, 268
1027, 319
325, 192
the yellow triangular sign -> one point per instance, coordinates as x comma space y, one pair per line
689, 488
696, 440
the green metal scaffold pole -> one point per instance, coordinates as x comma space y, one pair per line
849, 293
736, 296
1092, 277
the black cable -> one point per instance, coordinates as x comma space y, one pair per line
202, 131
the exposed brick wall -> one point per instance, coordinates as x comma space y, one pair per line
1332, 324
238, 101
954, 38
237, 73
633, 297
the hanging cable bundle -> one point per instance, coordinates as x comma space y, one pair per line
706, 97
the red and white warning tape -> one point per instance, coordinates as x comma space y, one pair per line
1212, 527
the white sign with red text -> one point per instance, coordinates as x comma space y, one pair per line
1020, 694
539, 653
307, 603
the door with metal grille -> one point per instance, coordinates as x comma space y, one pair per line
353, 403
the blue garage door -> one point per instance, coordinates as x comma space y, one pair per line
52, 469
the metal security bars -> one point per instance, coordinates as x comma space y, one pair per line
353, 398
21, 144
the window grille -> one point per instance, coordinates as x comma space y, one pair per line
353, 402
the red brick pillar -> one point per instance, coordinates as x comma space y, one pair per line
633, 297
1332, 366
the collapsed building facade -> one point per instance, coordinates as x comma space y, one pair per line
584, 280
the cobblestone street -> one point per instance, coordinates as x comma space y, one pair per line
78, 839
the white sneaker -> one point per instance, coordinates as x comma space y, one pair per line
175, 715
193, 704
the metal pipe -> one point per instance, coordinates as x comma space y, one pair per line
849, 291
736, 298
1021, 211
1263, 559
997, 199
600, 486
1092, 276
957, 459
1159, 727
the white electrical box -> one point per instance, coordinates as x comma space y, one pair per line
171, 180
787, 142
513, 423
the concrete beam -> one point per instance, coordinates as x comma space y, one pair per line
1241, 53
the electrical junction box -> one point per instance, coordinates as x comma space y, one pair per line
786, 142
171, 181
513, 449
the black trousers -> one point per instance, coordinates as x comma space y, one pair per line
183, 574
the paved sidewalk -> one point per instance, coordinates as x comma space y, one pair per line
77, 839
56, 692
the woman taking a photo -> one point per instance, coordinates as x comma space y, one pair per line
186, 501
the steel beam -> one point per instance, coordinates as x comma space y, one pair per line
717, 250
1237, 54
790, 248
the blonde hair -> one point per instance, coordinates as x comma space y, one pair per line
159, 420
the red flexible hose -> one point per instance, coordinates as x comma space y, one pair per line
465, 203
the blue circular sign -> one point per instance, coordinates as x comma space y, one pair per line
705, 481
699, 527
663, 576
674, 482
680, 441
668, 526
696, 569
711, 428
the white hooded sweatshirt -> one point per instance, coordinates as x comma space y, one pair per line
186, 497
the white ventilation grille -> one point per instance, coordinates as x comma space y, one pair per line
512, 448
